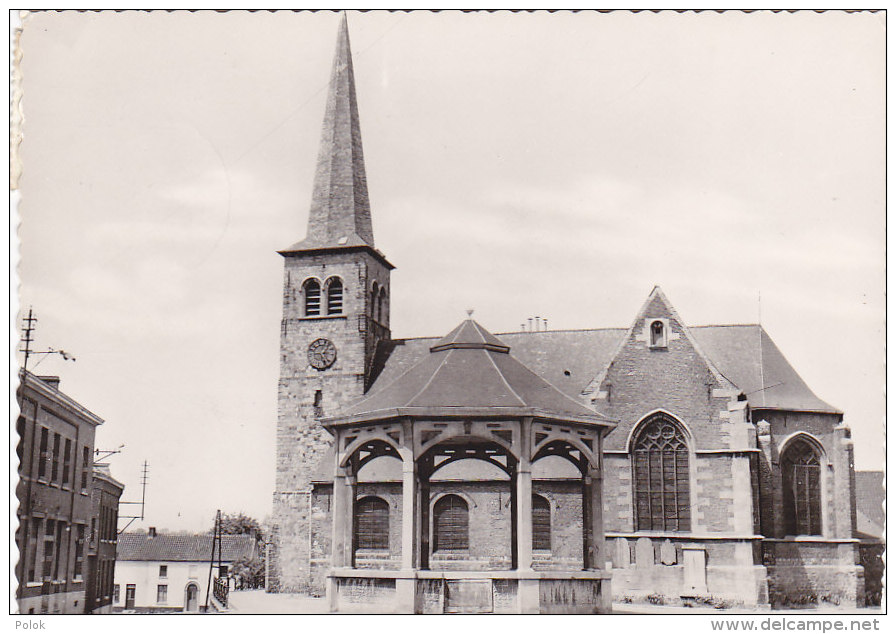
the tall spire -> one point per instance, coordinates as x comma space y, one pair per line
340, 207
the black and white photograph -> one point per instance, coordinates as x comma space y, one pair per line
448, 313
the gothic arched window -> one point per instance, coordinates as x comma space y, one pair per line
451, 524
662, 481
372, 523
311, 290
541, 523
334, 296
801, 471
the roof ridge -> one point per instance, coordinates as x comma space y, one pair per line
431, 377
504, 379
727, 326
558, 390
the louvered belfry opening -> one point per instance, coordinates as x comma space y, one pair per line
334, 296
662, 479
541, 523
451, 524
801, 474
372, 524
311, 290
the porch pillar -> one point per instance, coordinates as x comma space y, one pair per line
340, 496
524, 499
351, 490
592, 519
343, 501
408, 513
423, 503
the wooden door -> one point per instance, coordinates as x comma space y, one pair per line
130, 595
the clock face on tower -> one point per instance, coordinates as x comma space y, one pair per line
321, 354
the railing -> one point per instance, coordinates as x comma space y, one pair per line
220, 590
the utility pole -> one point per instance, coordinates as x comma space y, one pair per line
28, 328
144, 478
216, 543
27, 339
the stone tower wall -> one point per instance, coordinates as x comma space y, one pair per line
301, 441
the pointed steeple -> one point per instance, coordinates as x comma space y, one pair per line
340, 207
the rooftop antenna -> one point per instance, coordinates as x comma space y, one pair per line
27, 330
761, 369
144, 478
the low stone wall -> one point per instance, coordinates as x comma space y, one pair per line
806, 572
871, 558
432, 592
666, 570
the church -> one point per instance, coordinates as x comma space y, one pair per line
540, 470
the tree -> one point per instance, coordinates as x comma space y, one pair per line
248, 572
240, 524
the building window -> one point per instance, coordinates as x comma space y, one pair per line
662, 484
61, 557
657, 334
79, 551
33, 543
451, 524
381, 304
311, 289
372, 523
49, 550
374, 296
541, 523
44, 456
334, 296
67, 463
85, 467
162, 594
801, 469
163, 572
318, 404
116, 593
57, 451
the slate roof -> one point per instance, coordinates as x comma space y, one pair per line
340, 205
468, 369
170, 547
870, 498
571, 359
736, 352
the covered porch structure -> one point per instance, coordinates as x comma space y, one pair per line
469, 399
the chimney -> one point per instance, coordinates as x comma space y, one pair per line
52, 381
152, 532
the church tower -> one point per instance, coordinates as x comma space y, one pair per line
335, 313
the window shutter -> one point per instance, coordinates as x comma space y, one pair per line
372, 524
451, 527
541, 523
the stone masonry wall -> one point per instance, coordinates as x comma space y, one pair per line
306, 394
489, 522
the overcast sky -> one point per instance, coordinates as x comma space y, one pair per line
538, 164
